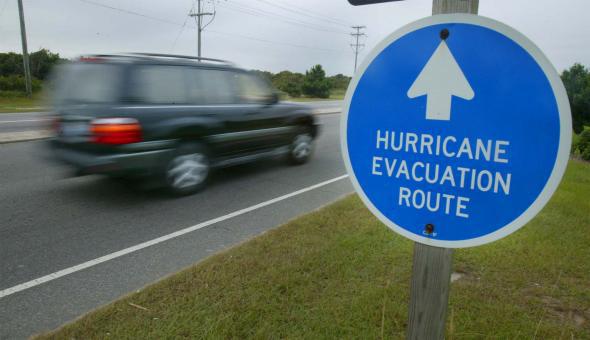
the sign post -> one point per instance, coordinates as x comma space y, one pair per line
432, 266
456, 131
429, 292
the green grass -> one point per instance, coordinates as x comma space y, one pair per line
339, 273
19, 102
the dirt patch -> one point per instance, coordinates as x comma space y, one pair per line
558, 309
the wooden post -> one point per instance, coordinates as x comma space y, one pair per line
454, 6
431, 273
429, 292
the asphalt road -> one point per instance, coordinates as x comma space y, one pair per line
50, 222
34, 121
23, 121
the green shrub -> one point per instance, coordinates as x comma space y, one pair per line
315, 83
288, 82
17, 83
583, 145
575, 143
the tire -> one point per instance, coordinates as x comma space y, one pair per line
300, 149
187, 171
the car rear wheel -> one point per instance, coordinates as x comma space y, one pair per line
188, 170
301, 148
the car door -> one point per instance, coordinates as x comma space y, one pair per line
263, 118
213, 93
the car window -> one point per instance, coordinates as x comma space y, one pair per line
252, 89
159, 85
89, 83
210, 86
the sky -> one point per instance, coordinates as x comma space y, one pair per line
272, 35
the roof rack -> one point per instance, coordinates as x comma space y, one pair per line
156, 55
176, 56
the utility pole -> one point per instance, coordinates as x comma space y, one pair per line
431, 272
357, 47
199, 15
23, 35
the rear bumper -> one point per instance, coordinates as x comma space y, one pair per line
121, 163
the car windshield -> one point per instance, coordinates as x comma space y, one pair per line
87, 83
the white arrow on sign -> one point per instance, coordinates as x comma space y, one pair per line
441, 79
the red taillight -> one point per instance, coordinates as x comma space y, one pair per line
115, 131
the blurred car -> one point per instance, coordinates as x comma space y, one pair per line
173, 118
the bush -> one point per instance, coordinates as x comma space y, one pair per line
577, 83
583, 145
288, 82
17, 83
41, 63
315, 83
339, 82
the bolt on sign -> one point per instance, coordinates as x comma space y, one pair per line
456, 130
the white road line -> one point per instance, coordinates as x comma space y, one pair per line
23, 120
111, 256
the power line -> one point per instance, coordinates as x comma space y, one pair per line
277, 42
306, 12
276, 16
169, 22
318, 14
130, 12
182, 28
357, 47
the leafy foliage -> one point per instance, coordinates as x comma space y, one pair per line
289, 82
577, 84
315, 83
12, 69
583, 145
263, 74
339, 81
17, 83
41, 63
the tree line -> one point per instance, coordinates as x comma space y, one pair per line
313, 83
12, 69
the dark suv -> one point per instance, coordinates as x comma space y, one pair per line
171, 117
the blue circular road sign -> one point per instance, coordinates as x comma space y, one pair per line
456, 130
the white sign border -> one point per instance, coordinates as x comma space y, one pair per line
564, 121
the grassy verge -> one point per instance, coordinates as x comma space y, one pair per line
19, 102
339, 273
